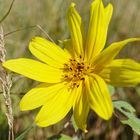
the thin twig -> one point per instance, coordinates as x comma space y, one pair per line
6, 86
30, 27
20, 29
7, 13
45, 33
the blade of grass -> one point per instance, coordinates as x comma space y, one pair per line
24, 133
7, 13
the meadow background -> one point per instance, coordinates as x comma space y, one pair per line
51, 16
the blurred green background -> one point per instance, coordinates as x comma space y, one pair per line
51, 16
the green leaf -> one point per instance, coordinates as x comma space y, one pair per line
137, 90
24, 133
127, 110
111, 90
60, 137
64, 137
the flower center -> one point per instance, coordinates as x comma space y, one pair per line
75, 71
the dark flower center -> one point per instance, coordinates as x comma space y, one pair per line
75, 71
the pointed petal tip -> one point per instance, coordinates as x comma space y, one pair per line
106, 117
72, 4
38, 123
38, 39
85, 130
71, 8
41, 123
6, 64
34, 39
109, 115
109, 7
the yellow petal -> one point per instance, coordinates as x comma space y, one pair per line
48, 52
108, 13
34, 70
56, 108
122, 73
39, 95
81, 108
76, 30
98, 26
99, 96
110, 53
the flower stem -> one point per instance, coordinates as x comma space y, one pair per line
6, 86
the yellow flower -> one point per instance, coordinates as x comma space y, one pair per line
76, 76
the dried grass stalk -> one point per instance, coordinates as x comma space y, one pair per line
6, 86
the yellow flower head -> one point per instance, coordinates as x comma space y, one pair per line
76, 76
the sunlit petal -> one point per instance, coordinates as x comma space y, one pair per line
76, 30
99, 96
34, 70
81, 108
98, 26
55, 108
48, 52
122, 73
107, 55
39, 95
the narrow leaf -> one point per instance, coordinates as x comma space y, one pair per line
24, 133
111, 90
127, 110
64, 137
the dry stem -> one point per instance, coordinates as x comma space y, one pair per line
6, 86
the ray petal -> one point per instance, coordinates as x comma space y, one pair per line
48, 52
122, 73
107, 55
56, 108
39, 95
81, 108
98, 27
76, 30
99, 97
34, 70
